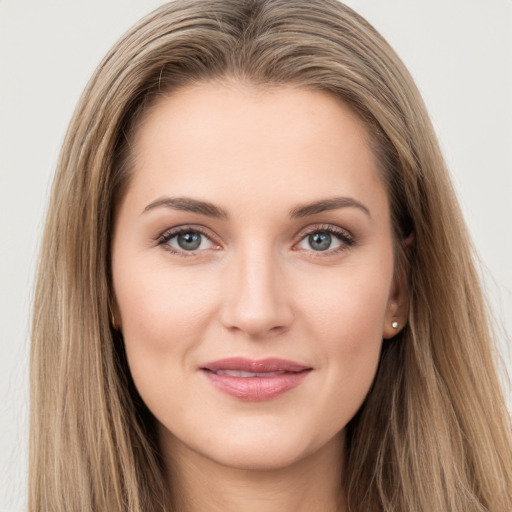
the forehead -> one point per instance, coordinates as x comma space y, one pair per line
237, 142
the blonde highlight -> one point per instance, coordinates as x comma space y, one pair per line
433, 433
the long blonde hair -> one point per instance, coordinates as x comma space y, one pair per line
433, 433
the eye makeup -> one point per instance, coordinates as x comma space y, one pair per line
321, 239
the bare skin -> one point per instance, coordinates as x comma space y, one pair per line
256, 226
302, 487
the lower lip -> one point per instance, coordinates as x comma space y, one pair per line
256, 389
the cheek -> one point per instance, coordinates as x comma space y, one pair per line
346, 318
161, 314
349, 304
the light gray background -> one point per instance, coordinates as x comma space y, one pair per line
459, 51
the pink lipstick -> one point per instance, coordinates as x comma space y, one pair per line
255, 380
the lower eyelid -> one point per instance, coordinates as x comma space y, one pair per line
164, 239
345, 240
344, 237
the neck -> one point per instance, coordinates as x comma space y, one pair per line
201, 484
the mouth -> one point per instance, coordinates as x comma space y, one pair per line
255, 380
241, 373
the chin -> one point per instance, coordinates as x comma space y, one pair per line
261, 457
257, 448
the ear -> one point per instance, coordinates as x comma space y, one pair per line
398, 303
115, 317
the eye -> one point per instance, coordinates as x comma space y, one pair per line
326, 239
320, 241
186, 240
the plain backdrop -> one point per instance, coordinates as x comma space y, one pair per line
459, 52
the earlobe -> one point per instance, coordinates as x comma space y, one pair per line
114, 315
395, 319
113, 321
398, 305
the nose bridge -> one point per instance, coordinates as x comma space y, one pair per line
256, 300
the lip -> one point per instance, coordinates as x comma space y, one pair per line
283, 375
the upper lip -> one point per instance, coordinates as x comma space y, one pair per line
255, 365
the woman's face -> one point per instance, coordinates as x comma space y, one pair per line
253, 271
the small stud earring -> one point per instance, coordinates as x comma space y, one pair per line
394, 324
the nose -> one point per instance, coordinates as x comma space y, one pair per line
256, 303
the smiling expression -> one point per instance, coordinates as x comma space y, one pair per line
253, 242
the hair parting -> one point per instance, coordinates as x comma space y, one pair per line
433, 433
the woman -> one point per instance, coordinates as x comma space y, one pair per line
256, 289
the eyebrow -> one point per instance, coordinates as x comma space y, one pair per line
187, 204
333, 203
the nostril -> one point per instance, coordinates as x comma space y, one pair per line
256, 326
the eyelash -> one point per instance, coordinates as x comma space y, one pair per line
164, 238
346, 239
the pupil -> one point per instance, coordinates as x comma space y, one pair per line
320, 241
189, 241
